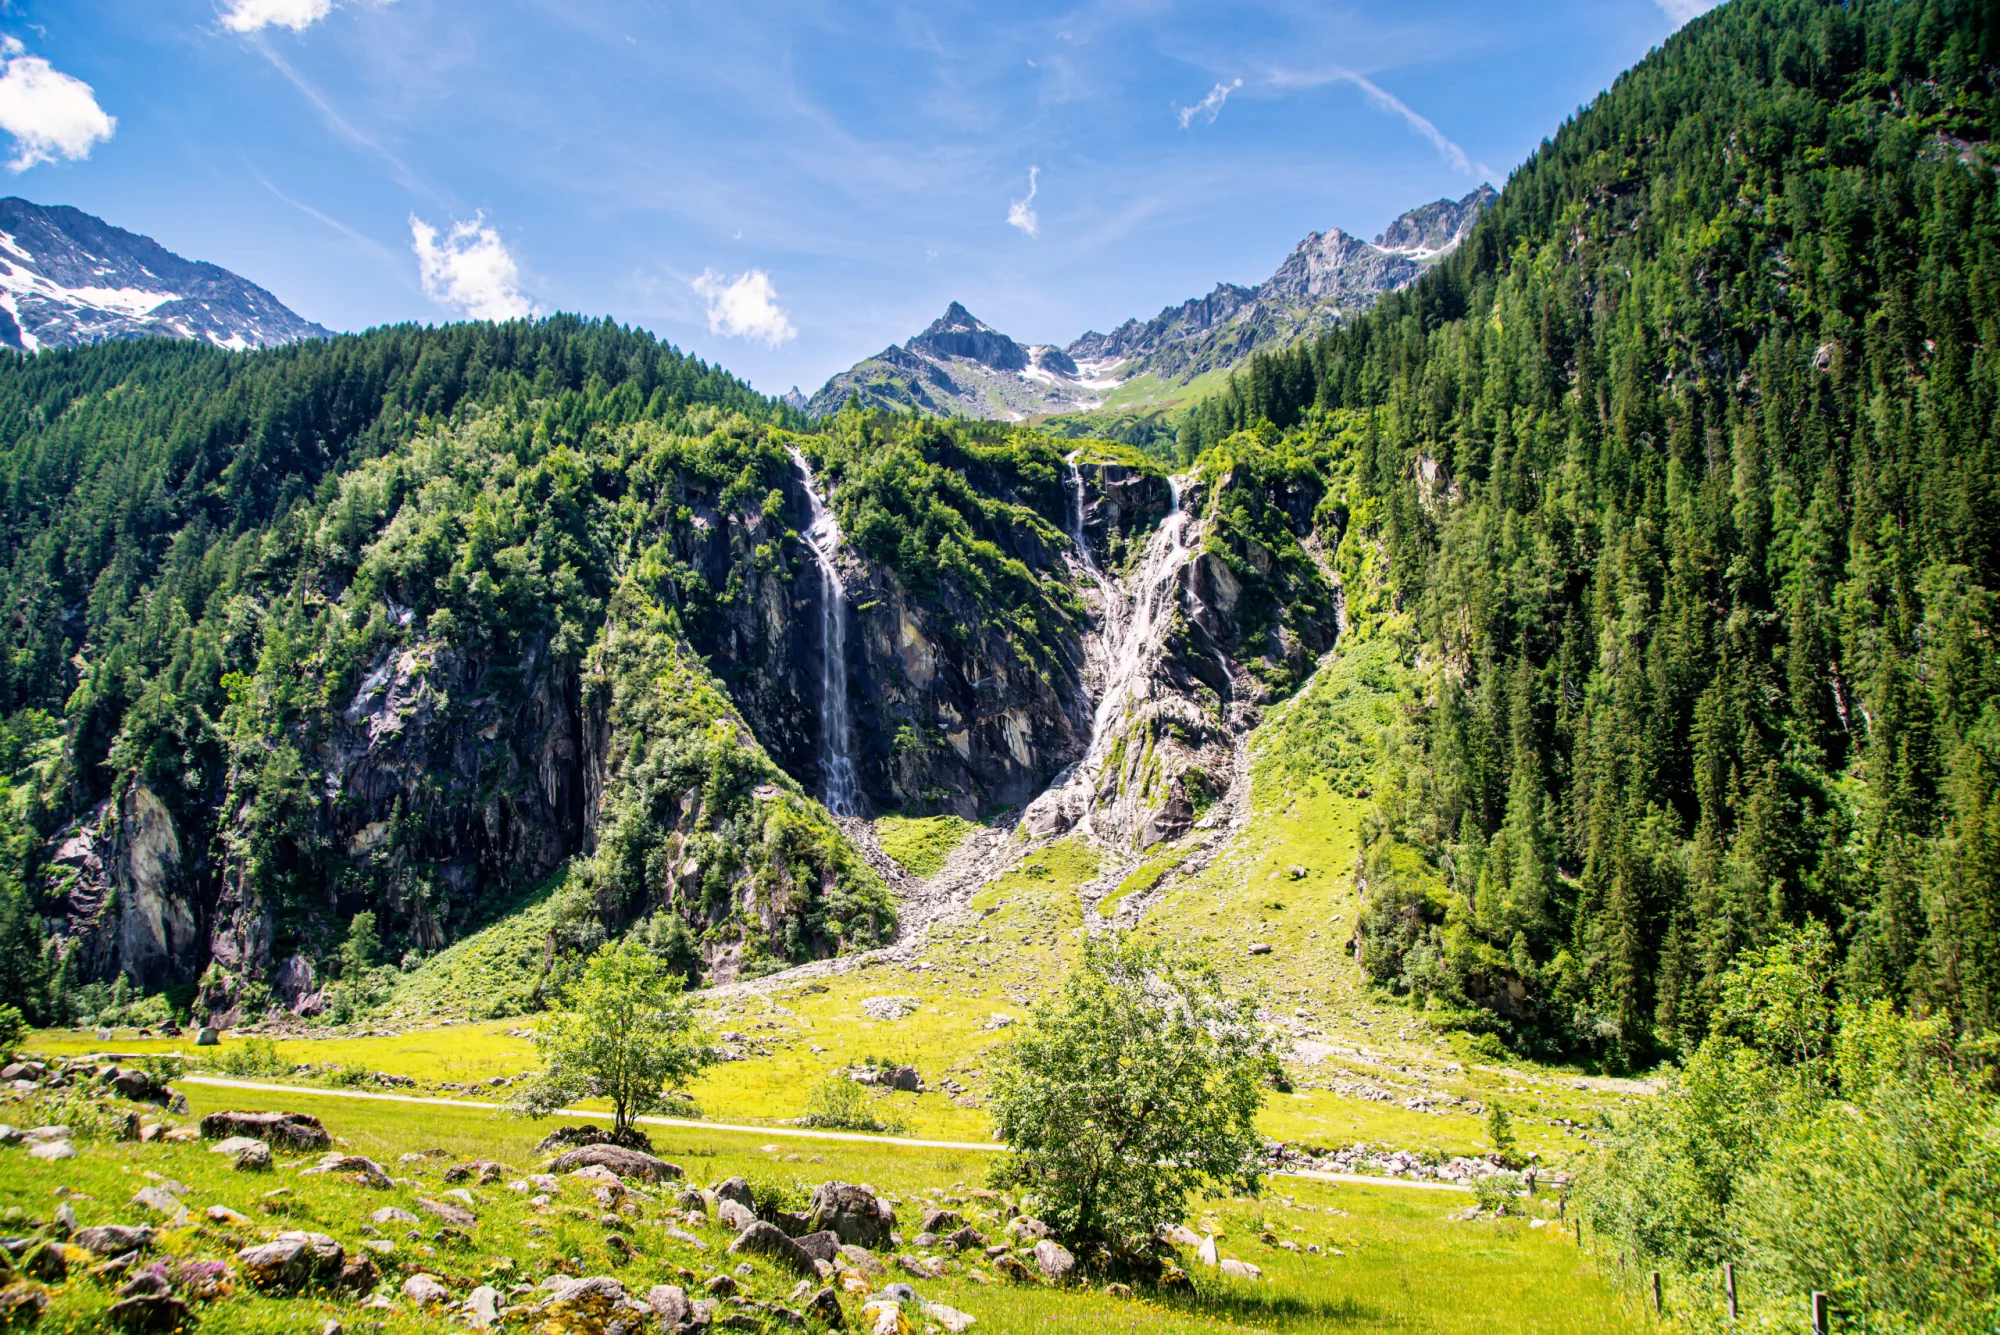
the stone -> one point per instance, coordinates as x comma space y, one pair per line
966, 1238
363, 1170
298, 1132
426, 1290
482, 1307
588, 1305
48, 1262
159, 1202
1024, 1229
824, 1307
113, 1239
293, 1263
1175, 1280
448, 1211
884, 1318
147, 1305
1260, 948
950, 1318
206, 1037
483, 1171
390, 1214
358, 1275
1240, 1269
861, 1259
234, 1145
1053, 1259
821, 1246
1207, 1254
21, 1304
888, 1008
942, 1221
684, 1237
733, 1215
906, 1079
1011, 1267
669, 1303
691, 1202
254, 1158
735, 1189
762, 1239
722, 1286
53, 1150
617, 1159
1181, 1235
855, 1214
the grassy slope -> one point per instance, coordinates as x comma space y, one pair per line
1405, 1267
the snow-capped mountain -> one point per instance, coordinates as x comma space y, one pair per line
962, 366
67, 278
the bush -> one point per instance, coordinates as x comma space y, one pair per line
253, 1056
836, 1102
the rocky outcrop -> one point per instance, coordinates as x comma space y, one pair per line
125, 900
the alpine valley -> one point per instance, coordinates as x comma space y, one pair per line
1545, 656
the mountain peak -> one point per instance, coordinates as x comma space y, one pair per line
960, 333
67, 278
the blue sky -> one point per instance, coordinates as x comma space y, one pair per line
781, 187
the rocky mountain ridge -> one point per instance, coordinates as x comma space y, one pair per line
960, 366
68, 279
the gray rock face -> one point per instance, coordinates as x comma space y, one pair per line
294, 1263
75, 279
1054, 1260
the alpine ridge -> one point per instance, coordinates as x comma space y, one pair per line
68, 279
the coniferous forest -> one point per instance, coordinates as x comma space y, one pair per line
1687, 473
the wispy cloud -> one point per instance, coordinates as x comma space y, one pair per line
469, 270
1020, 213
744, 307
1209, 107
1680, 11
50, 114
340, 125
256, 15
1385, 100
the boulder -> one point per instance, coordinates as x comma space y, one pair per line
1024, 1229
160, 1202
364, 1170
861, 1259
732, 1215
1181, 1235
735, 1189
1240, 1269
222, 1214
138, 1086
1054, 1260
669, 1303
21, 1304
426, 1290
1207, 1254
449, 1212
482, 1307
207, 1037
254, 1158
691, 1202
762, 1239
942, 1221
483, 1171
592, 1304
821, 1246
390, 1214
965, 1239
618, 1159
234, 1145
1011, 1267
884, 1318
147, 1304
825, 1309
853, 1213
113, 1239
358, 1275
294, 1263
53, 1150
906, 1079
950, 1318
298, 1132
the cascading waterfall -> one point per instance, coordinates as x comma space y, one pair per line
836, 732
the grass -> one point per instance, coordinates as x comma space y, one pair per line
1405, 1267
920, 844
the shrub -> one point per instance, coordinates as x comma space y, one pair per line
838, 1103
253, 1056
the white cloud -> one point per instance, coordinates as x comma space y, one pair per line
1019, 214
1209, 107
1388, 101
744, 307
469, 270
298, 15
1680, 11
49, 114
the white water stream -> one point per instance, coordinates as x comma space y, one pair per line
836, 731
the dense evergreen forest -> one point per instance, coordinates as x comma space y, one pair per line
1687, 472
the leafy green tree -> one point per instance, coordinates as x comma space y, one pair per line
1500, 1131
358, 953
1137, 1085
625, 1033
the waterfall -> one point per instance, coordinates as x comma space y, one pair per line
836, 732
1076, 534
1132, 643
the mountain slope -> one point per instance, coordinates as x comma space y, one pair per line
962, 367
68, 279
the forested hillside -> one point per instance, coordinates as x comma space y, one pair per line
1686, 469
